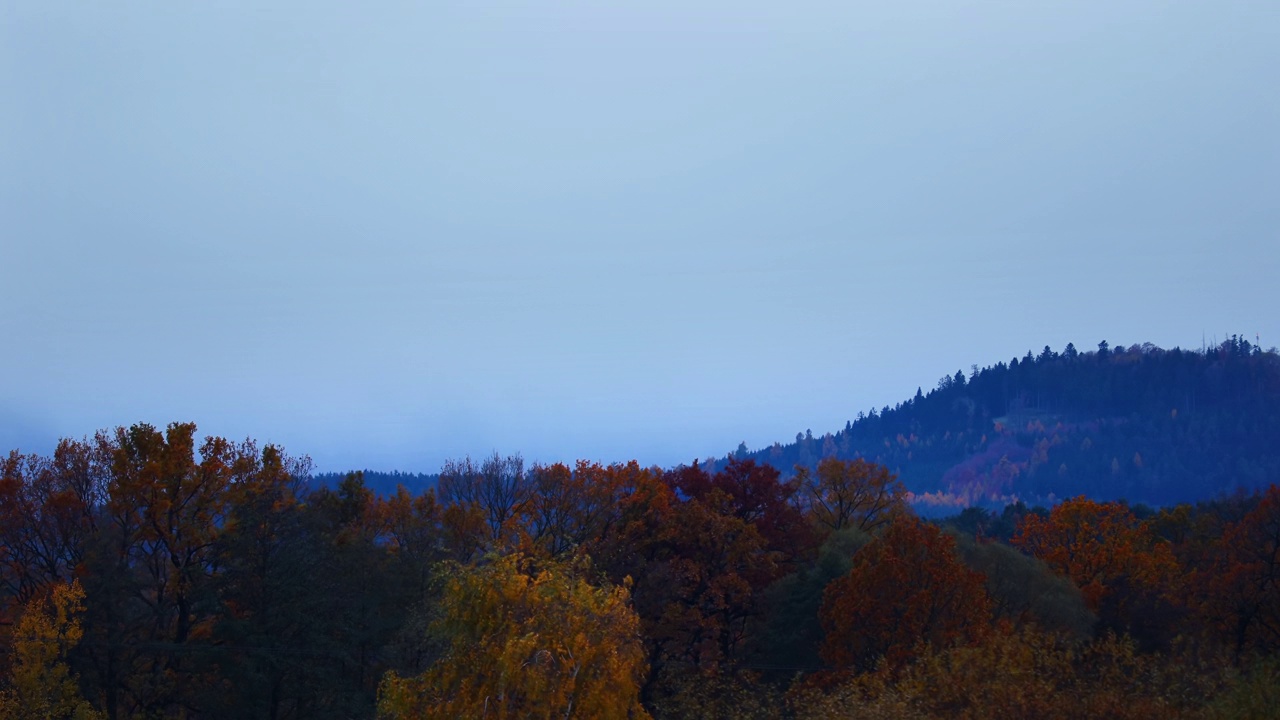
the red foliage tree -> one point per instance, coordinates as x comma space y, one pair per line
906, 587
754, 494
1241, 591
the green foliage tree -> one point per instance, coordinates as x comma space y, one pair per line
790, 633
1025, 591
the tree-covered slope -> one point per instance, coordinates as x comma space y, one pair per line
1141, 423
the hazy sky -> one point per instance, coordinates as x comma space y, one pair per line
385, 234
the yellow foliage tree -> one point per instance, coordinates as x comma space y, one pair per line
41, 685
1018, 674
526, 643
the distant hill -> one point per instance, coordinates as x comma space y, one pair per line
1139, 423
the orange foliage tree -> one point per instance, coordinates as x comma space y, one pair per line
170, 503
568, 508
906, 587
412, 532
1098, 545
852, 493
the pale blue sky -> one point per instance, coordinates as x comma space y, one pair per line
384, 234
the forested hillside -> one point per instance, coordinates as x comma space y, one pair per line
1140, 423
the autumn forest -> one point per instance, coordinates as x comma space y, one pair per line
1067, 535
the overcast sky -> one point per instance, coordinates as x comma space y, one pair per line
387, 234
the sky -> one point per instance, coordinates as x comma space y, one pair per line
388, 234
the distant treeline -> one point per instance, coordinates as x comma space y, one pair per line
383, 483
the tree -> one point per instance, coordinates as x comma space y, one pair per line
274, 585
698, 565
361, 600
1128, 575
790, 633
40, 683
524, 641
906, 587
48, 516
181, 506
413, 533
1096, 545
852, 493
757, 495
703, 584
498, 489
152, 576
1027, 673
1024, 591
567, 509
1242, 589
